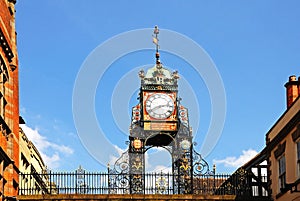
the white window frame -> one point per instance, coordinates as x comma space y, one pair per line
281, 172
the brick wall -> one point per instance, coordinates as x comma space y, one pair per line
9, 102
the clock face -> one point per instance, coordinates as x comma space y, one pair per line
159, 106
185, 144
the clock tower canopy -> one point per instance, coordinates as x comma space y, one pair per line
159, 75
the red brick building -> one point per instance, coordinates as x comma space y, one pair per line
9, 102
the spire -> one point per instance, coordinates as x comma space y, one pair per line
155, 41
158, 75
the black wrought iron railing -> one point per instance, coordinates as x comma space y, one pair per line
153, 183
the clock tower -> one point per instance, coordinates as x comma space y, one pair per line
159, 120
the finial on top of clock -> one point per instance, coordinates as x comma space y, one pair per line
155, 41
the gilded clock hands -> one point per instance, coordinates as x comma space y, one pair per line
158, 107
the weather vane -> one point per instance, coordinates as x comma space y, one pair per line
155, 41
155, 37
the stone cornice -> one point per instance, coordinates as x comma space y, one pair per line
294, 122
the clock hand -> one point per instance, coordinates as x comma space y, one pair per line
158, 107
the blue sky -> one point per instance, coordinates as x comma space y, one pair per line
254, 44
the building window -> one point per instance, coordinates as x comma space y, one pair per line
3, 79
282, 172
298, 158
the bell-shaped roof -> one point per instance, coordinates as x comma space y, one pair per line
159, 75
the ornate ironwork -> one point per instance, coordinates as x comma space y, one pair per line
137, 170
161, 184
137, 184
200, 166
229, 189
239, 184
83, 187
119, 179
122, 164
83, 182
